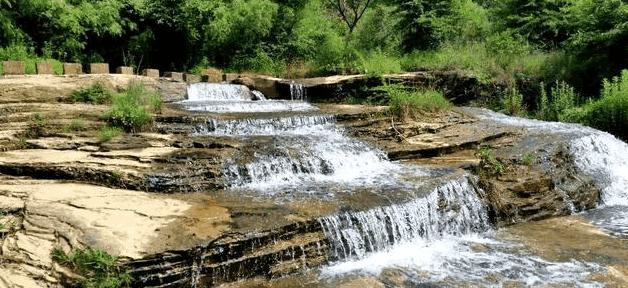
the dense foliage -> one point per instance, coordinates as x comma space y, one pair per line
573, 42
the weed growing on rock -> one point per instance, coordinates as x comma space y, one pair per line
106, 133
37, 127
97, 267
95, 94
489, 163
528, 159
75, 125
131, 109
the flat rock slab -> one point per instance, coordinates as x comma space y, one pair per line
55, 89
129, 224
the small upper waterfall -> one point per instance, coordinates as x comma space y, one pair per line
218, 92
259, 95
297, 92
229, 98
451, 209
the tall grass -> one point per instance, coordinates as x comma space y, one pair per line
378, 63
408, 103
131, 109
512, 103
610, 112
479, 59
553, 106
97, 267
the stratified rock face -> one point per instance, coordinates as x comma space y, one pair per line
549, 186
181, 205
457, 86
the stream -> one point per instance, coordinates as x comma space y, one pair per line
412, 235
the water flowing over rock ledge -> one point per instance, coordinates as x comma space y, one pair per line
214, 196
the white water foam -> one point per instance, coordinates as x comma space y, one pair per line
451, 209
297, 92
259, 95
218, 92
453, 259
598, 154
318, 156
292, 125
247, 106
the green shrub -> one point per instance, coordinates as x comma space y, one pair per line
528, 159
512, 103
489, 163
407, 102
259, 62
37, 127
95, 94
610, 112
75, 125
554, 107
98, 268
131, 109
379, 63
106, 133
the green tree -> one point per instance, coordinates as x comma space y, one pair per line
542, 22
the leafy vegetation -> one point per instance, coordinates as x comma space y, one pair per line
97, 267
528, 159
512, 103
610, 112
75, 125
572, 44
489, 163
107, 133
37, 126
408, 102
94, 94
131, 109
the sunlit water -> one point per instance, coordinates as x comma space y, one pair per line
432, 239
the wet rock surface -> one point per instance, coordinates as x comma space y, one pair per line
160, 200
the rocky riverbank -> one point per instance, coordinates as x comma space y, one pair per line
160, 200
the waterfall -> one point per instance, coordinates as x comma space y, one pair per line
298, 124
247, 106
598, 154
217, 92
297, 92
451, 209
321, 155
605, 159
258, 95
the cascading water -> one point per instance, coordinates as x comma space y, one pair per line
307, 149
297, 92
228, 98
451, 209
259, 95
297, 124
599, 154
218, 92
294, 153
